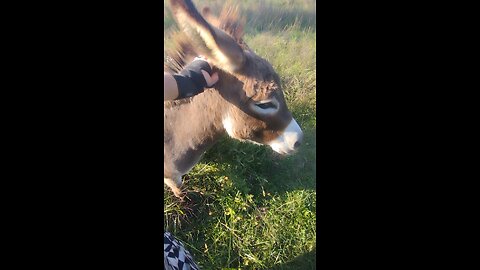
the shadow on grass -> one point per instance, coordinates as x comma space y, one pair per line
306, 261
254, 169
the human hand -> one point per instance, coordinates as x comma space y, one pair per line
195, 77
209, 79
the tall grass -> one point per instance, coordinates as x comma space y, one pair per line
264, 15
247, 207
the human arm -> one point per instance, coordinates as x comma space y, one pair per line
170, 89
190, 81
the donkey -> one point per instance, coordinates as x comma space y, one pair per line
247, 102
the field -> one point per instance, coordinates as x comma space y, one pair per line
249, 208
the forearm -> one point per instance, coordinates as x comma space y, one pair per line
170, 87
190, 81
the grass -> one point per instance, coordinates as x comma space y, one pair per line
247, 207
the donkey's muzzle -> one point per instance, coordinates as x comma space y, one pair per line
289, 140
297, 144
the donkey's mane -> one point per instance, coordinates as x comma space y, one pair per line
182, 50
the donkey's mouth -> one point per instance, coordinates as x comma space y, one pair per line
289, 140
283, 152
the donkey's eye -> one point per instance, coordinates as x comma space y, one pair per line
267, 105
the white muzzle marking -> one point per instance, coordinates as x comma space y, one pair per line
228, 125
285, 143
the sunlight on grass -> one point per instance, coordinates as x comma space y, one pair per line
247, 207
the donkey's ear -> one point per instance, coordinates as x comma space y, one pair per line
211, 19
222, 49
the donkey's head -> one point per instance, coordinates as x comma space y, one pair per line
256, 111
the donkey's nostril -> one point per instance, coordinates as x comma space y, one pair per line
297, 144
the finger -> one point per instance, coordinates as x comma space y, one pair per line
207, 77
211, 80
214, 78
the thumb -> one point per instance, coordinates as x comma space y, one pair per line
211, 80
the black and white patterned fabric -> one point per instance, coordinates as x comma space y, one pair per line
175, 256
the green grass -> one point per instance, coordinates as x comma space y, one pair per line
247, 207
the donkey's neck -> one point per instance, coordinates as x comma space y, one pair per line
195, 125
